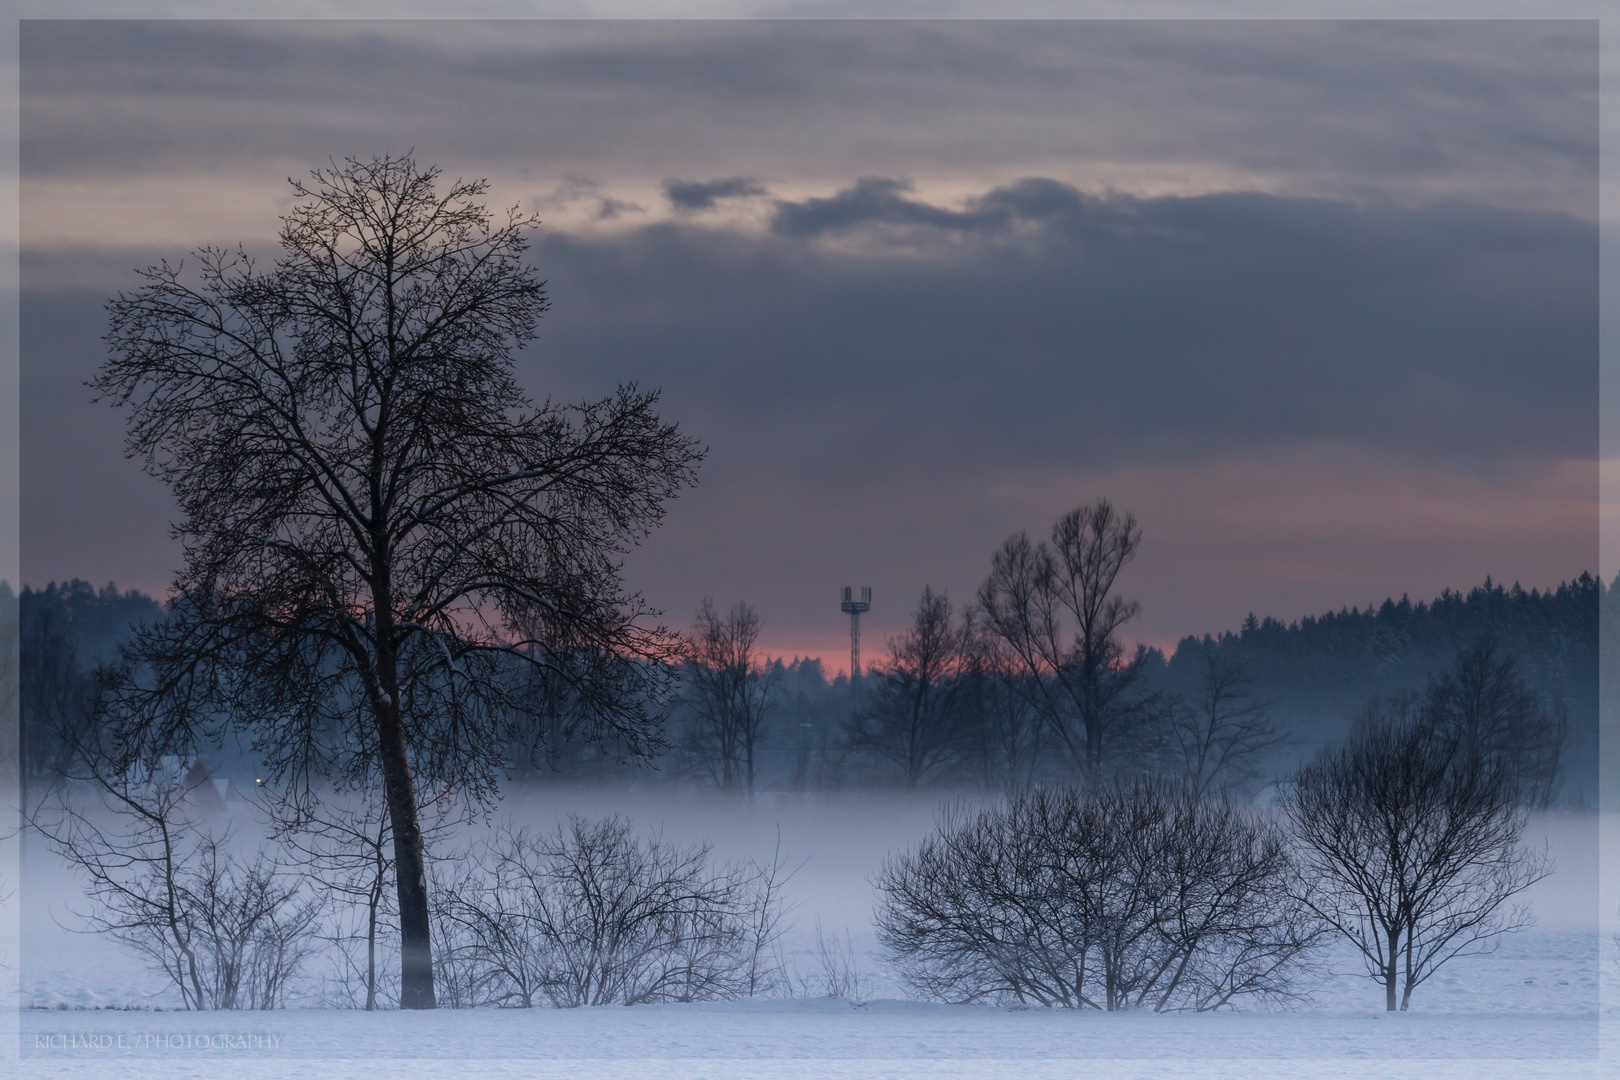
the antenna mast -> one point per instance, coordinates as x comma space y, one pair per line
854, 608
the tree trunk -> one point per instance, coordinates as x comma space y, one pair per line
1406, 987
371, 952
415, 947
1391, 970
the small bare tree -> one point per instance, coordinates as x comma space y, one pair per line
1220, 736
730, 691
913, 717
1056, 610
1409, 846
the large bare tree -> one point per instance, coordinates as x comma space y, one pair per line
1056, 610
387, 542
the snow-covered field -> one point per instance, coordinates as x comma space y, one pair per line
1532, 1009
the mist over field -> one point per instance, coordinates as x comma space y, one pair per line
835, 844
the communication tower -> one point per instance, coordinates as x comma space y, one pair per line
854, 608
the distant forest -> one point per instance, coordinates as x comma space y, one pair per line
1308, 678
1319, 671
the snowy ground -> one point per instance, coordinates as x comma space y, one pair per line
1531, 1010
813, 1038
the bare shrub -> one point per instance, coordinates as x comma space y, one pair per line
592, 914
837, 973
228, 932
456, 971
1130, 897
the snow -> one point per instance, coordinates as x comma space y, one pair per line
1532, 1009
813, 1038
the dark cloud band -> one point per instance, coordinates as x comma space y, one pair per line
706, 194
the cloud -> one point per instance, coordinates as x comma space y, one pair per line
609, 208
1020, 330
875, 200
1500, 113
705, 194
994, 258
1034, 323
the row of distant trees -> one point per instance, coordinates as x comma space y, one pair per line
1034, 683
954, 704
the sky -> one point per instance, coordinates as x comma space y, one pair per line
1317, 302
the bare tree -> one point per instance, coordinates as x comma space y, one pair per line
913, 716
385, 539
594, 915
1409, 846
1484, 703
349, 852
731, 692
1056, 611
1128, 897
1220, 737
